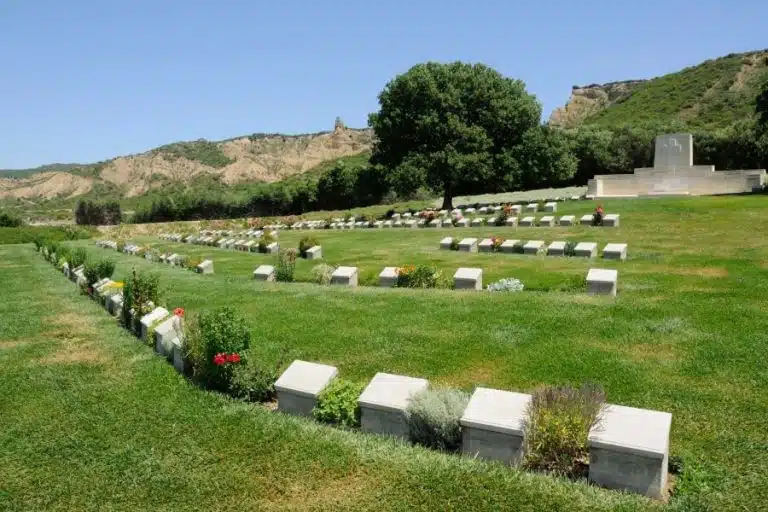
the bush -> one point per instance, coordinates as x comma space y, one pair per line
77, 257
557, 427
96, 271
183, 261
321, 274
570, 249
421, 276
254, 380
496, 242
39, 243
518, 248
264, 241
339, 404
141, 293
216, 342
455, 244
305, 244
9, 221
286, 265
509, 284
433, 418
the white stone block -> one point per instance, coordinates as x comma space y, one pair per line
585, 250
388, 277
491, 221
548, 221
346, 276
300, 385
407, 215
477, 222
511, 222
533, 247
469, 210
264, 273
205, 267
586, 220
273, 248
602, 281
493, 425
486, 245
468, 245
115, 304
150, 318
384, 401
508, 246
532, 207
447, 223
446, 243
482, 209
527, 222
550, 207
315, 252
567, 220
629, 450
462, 223
556, 249
387, 224
517, 208
468, 279
615, 252
435, 223
611, 220
167, 331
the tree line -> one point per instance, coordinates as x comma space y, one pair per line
458, 129
93, 213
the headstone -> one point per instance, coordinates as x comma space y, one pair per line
486, 245
315, 253
547, 221
517, 208
482, 209
585, 250
446, 243
469, 210
629, 450
264, 273
384, 401
615, 252
491, 221
115, 304
300, 385
388, 277
205, 267
447, 223
532, 207
435, 223
602, 281
165, 333
493, 423
149, 319
511, 222
673, 151
273, 248
468, 279
468, 245
556, 249
611, 220
508, 246
346, 276
567, 220
527, 222
533, 247
586, 220
462, 223
550, 207
477, 222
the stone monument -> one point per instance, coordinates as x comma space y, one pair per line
673, 173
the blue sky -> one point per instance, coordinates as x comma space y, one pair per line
89, 80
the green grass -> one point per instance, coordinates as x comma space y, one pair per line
27, 234
701, 96
687, 334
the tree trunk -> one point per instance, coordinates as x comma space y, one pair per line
448, 198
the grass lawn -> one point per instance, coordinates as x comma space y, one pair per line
89, 419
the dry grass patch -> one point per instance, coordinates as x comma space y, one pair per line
707, 272
479, 374
76, 336
330, 494
9, 344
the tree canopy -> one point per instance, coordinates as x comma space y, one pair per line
458, 127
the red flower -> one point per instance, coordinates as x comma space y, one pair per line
219, 359
179, 312
233, 358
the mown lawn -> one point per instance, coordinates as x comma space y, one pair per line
687, 334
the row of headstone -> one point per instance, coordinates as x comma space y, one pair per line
173, 259
611, 251
223, 242
629, 448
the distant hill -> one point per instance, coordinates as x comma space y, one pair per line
25, 173
710, 95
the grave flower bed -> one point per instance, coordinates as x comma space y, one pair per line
421, 276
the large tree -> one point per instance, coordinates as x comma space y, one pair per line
457, 126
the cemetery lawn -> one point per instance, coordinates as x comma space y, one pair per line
687, 334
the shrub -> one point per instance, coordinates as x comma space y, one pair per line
39, 243
191, 263
321, 274
9, 221
182, 261
339, 404
455, 244
97, 270
501, 218
433, 418
496, 242
305, 244
264, 241
77, 257
141, 292
570, 249
557, 427
390, 213
216, 341
421, 276
518, 248
286, 265
254, 381
509, 284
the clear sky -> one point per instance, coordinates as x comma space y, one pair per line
86, 80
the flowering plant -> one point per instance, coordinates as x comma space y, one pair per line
506, 285
222, 358
179, 312
507, 209
496, 242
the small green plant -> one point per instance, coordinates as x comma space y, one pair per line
570, 249
286, 265
339, 404
496, 242
501, 218
419, 276
518, 248
141, 292
321, 274
97, 270
264, 241
557, 427
455, 244
305, 244
77, 257
39, 243
254, 381
183, 261
433, 418
216, 342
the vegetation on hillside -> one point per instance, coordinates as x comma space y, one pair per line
203, 151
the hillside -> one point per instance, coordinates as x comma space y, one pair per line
710, 95
248, 159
